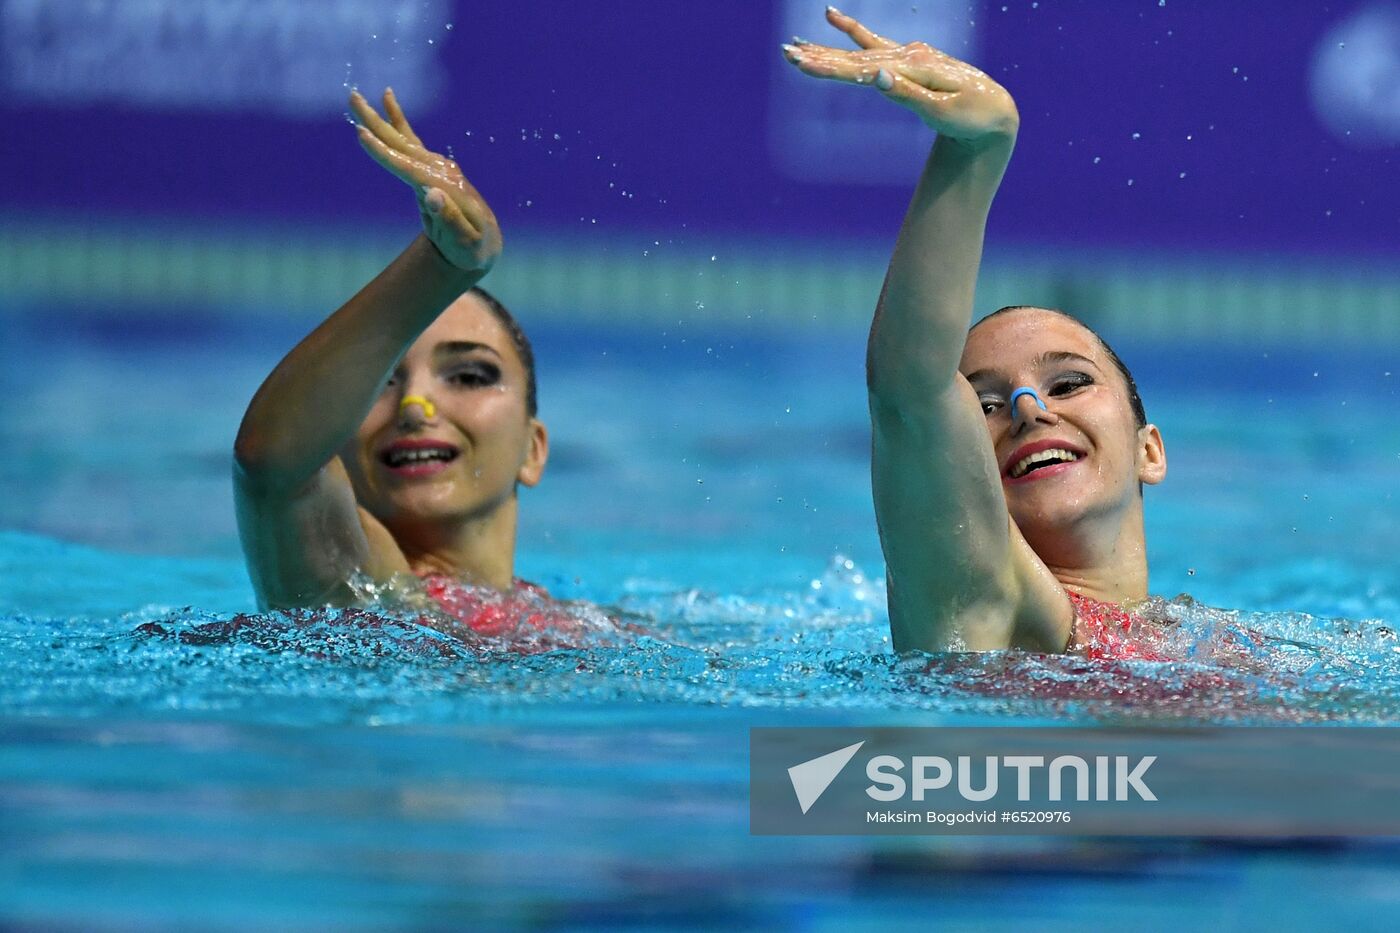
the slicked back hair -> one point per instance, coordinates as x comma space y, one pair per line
1134, 399
519, 341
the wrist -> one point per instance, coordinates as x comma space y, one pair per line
436, 265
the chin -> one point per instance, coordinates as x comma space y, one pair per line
425, 504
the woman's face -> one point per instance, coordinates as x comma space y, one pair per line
1089, 453
462, 459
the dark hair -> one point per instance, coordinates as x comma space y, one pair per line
518, 340
1134, 399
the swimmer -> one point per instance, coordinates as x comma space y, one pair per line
1008, 460
394, 438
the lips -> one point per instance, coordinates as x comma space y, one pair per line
418, 456
1040, 460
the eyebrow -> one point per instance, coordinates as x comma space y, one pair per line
449, 347
1050, 356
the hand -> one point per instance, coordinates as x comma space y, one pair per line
950, 96
455, 217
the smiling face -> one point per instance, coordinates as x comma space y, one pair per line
1083, 456
458, 457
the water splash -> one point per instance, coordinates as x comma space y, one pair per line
820, 649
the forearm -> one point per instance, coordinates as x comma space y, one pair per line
321, 391
925, 307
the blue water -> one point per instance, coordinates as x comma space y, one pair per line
714, 490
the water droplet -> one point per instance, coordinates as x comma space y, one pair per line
1190, 571
1137, 136
1097, 159
448, 27
1182, 175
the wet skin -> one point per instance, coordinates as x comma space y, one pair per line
1072, 509
485, 440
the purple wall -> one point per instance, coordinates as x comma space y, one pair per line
677, 104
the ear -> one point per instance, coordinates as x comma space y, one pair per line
536, 454
1152, 456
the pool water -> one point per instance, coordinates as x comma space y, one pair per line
711, 488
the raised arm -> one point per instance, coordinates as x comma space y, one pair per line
959, 573
303, 534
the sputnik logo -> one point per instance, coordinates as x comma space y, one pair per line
811, 778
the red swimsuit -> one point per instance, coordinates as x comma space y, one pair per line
1104, 631
525, 617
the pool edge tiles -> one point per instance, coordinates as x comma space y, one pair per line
630, 278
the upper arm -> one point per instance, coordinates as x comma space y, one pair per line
957, 566
303, 545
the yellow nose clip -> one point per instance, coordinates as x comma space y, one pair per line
429, 410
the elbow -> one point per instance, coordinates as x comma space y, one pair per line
250, 453
255, 466
900, 376
891, 404
905, 392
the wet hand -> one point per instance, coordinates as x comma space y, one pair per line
949, 95
455, 217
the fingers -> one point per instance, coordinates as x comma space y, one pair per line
860, 35
927, 103
920, 65
395, 161
836, 64
437, 204
398, 120
466, 204
376, 124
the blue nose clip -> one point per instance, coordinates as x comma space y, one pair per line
1025, 390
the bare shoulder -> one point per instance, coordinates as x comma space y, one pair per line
303, 545
385, 558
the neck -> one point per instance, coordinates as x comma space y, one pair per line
480, 550
1104, 563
